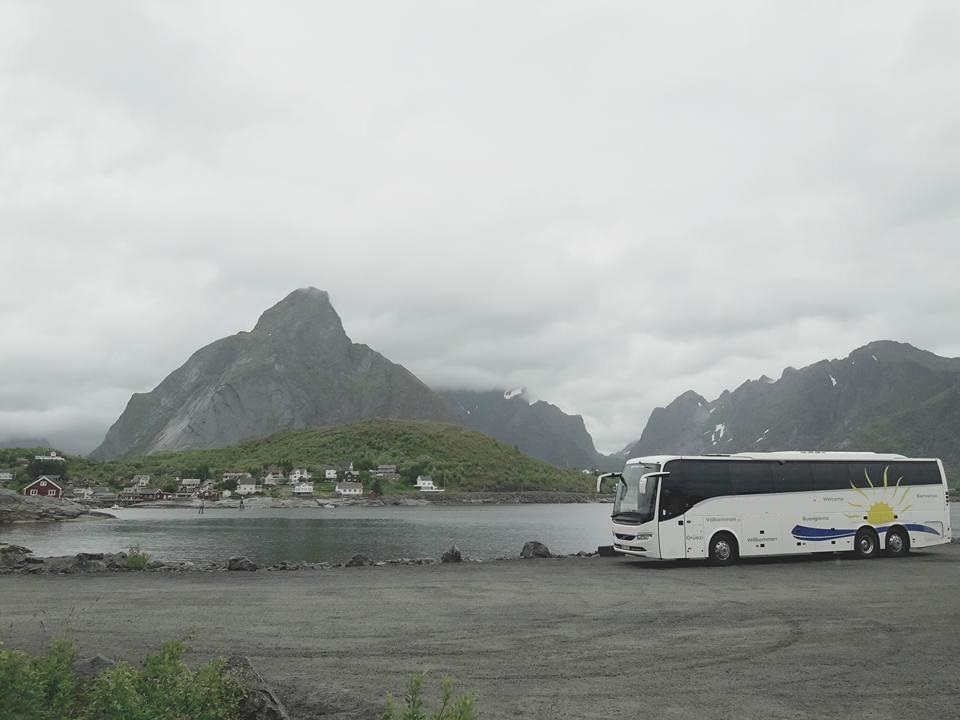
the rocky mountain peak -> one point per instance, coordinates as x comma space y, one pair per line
304, 314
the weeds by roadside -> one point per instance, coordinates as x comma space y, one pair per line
451, 707
46, 688
137, 559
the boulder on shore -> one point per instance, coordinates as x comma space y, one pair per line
259, 702
14, 507
453, 555
241, 563
535, 549
359, 560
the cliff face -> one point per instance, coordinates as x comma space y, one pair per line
296, 369
885, 396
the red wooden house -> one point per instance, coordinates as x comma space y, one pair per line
44, 486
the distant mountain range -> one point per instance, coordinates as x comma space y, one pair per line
538, 429
25, 442
298, 369
885, 396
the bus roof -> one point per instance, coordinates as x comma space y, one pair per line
783, 455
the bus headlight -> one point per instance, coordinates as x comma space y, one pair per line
644, 536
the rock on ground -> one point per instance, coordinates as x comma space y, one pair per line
359, 560
14, 507
260, 702
453, 555
241, 563
535, 549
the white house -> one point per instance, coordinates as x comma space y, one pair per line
6, 476
141, 481
300, 474
330, 474
303, 488
189, 485
425, 484
248, 487
273, 477
349, 489
84, 493
386, 471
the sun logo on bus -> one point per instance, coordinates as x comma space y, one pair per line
884, 505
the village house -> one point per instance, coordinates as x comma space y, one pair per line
188, 486
248, 486
303, 489
350, 474
300, 474
6, 476
52, 457
330, 473
140, 494
83, 493
45, 486
273, 477
425, 484
387, 472
238, 476
141, 480
103, 494
349, 489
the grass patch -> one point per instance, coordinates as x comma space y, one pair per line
450, 707
46, 688
137, 559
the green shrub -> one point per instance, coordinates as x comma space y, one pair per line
45, 688
450, 708
137, 559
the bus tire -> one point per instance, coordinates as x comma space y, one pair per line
898, 542
866, 544
723, 549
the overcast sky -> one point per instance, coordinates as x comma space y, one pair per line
605, 202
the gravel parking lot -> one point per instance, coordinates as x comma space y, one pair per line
570, 638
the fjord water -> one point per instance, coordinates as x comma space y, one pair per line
314, 535
333, 535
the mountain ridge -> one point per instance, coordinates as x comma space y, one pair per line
861, 401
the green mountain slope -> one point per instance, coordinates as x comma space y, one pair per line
465, 459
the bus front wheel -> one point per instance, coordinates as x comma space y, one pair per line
866, 544
723, 549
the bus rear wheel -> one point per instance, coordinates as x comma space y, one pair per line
866, 544
723, 549
898, 544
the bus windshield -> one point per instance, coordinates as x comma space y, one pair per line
636, 494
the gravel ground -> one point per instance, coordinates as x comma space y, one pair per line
570, 638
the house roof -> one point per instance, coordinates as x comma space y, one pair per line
349, 486
52, 479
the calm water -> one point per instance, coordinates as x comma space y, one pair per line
313, 535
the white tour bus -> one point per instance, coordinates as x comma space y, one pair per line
780, 503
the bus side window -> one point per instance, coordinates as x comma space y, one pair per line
794, 476
752, 477
832, 475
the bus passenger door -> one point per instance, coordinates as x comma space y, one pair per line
696, 544
673, 541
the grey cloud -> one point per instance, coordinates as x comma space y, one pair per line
607, 203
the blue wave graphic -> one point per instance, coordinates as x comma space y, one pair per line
802, 532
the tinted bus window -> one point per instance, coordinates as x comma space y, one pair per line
833, 475
793, 476
691, 482
913, 473
752, 477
